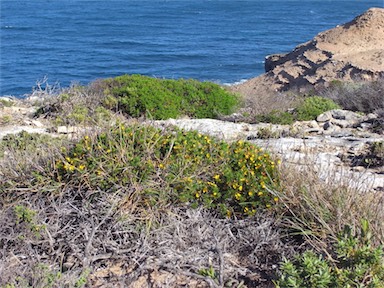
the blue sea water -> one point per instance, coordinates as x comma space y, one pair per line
224, 41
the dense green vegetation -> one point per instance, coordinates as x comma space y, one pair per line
173, 166
357, 264
138, 95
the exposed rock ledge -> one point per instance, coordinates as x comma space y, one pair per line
347, 52
329, 144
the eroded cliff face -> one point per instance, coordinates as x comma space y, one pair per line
352, 51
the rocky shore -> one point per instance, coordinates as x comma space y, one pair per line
349, 52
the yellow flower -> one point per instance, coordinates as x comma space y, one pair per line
237, 196
161, 166
81, 167
250, 193
241, 188
208, 155
68, 159
246, 209
214, 194
216, 177
260, 193
205, 190
234, 186
229, 214
268, 205
276, 199
262, 184
197, 195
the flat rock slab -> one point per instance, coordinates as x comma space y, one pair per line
320, 152
5, 130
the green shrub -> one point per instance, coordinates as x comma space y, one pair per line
6, 119
6, 102
267, 133
78, 114
307, 109
28, 142
138, 95
313, 106
307, 270
175, 166
276, 117
357, 264
27, 217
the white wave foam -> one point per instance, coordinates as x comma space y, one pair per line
236, 83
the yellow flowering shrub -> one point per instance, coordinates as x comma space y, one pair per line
175, 166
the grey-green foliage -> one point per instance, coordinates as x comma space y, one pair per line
306, 109
357, 263
307, 270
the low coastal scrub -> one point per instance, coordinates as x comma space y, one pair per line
139, 96
127, 202
306, 109
356, 263
173, 166
131, 187
365, 97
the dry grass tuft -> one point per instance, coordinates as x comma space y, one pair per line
365, 97
319, 210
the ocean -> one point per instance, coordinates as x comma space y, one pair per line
224, 41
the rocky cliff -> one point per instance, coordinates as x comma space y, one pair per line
347, 52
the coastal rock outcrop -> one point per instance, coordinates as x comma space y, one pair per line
334, 145
353, 51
